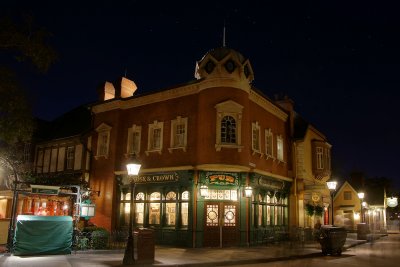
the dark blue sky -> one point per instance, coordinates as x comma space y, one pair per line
338, 60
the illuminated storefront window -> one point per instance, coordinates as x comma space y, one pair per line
154, 208
170, 208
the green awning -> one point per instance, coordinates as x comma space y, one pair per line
43, 235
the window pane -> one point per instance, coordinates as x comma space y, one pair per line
260, 215
154, 213
180, 135
139, 213
228, 130
157, 138
185, 214
170, 213
185, 195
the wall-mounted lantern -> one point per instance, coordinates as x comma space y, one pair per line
204, 190
248, 191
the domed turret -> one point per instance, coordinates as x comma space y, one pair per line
224, 62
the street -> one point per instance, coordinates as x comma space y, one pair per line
383, 252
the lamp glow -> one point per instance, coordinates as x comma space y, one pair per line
248, 191
203, 191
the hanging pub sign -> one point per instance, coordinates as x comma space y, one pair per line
45, 189
222, 178
392, 202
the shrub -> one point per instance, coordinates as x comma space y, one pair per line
100, 238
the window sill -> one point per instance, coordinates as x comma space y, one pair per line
258, 152
267, 156
101, 156
218, 147
171, 149
147, 152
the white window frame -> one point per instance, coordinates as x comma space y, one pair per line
103, 148
156, 125
269, 143
234, 110
179, 121
256, 138
319, 153
279, 148
130, 149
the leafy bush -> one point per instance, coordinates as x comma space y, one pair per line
100, 238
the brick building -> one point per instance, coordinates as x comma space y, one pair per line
218, 132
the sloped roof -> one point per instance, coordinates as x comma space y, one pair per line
74, 122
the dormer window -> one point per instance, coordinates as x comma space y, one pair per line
209, 67
230, 66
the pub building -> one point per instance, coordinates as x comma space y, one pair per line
215, 155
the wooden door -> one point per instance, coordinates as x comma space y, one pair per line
221, 227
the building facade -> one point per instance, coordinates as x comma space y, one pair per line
217, 133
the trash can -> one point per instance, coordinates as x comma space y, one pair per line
145, 245
332, 239
362, 231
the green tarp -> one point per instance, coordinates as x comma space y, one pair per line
40, 235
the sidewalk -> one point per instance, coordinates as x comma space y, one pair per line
169, 256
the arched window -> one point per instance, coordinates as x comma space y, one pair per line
139, 210
154, 208
185, 208
228, 130
170, 208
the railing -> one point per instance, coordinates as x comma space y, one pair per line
99, 240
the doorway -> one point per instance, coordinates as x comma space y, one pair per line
221, 224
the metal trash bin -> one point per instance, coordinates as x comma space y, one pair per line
332, 239
145, 245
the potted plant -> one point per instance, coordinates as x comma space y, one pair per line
310, 209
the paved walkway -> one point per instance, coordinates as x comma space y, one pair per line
168, 256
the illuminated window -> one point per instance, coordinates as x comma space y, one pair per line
139, 210
185, 208
269, 143
256, 146
155, 137
178, 134
154, 208
170, 208
134, 136
103, 140
229, 120
279, 148
260, 210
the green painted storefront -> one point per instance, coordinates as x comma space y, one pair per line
170, 203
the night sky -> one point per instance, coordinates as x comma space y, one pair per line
338, 60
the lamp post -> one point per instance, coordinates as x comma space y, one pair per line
361, 197
332, 187
133, 167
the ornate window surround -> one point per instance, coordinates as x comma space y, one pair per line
155, 125
103, 130
174, 123
134, 129
233, 109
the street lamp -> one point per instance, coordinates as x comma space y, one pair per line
361, 197
332, 187
133, 168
